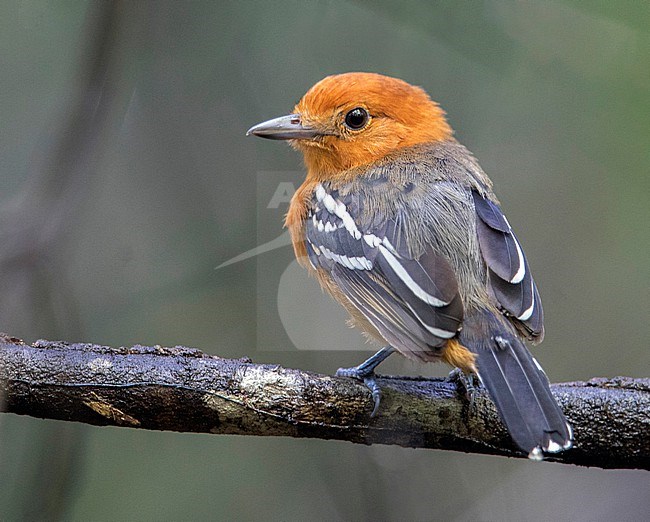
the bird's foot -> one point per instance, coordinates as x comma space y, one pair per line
366, 372
369, 379
460, 378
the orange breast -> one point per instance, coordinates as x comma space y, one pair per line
295, 219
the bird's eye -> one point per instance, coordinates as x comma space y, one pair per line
357, 118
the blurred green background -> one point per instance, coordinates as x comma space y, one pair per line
125, 179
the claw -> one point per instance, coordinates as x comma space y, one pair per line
371, 383
366, 372
369, 379
465, 380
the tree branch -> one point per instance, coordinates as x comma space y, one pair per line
183, 389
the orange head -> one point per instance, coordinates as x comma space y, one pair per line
349, 120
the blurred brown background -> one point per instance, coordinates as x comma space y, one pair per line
125, 179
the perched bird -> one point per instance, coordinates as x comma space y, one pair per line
399, 224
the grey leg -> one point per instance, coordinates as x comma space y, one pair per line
460, 378
366, 372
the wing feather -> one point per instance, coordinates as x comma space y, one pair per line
510, 278
413, 302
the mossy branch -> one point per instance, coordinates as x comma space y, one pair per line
183, 389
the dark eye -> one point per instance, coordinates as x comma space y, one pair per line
357, 118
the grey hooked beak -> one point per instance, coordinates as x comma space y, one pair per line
283, 128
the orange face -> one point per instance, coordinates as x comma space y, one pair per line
352, 119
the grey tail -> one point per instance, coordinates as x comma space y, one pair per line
517, 385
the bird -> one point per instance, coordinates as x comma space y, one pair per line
401, 226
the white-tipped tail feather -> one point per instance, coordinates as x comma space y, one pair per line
520, 390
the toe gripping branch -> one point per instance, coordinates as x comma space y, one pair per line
366, 372
467, 382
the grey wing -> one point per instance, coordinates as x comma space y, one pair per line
413, 303
510, 277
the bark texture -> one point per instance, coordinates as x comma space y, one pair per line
183, 389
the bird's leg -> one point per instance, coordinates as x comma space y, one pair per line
366, 372
466, 380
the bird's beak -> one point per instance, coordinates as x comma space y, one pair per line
283, 128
